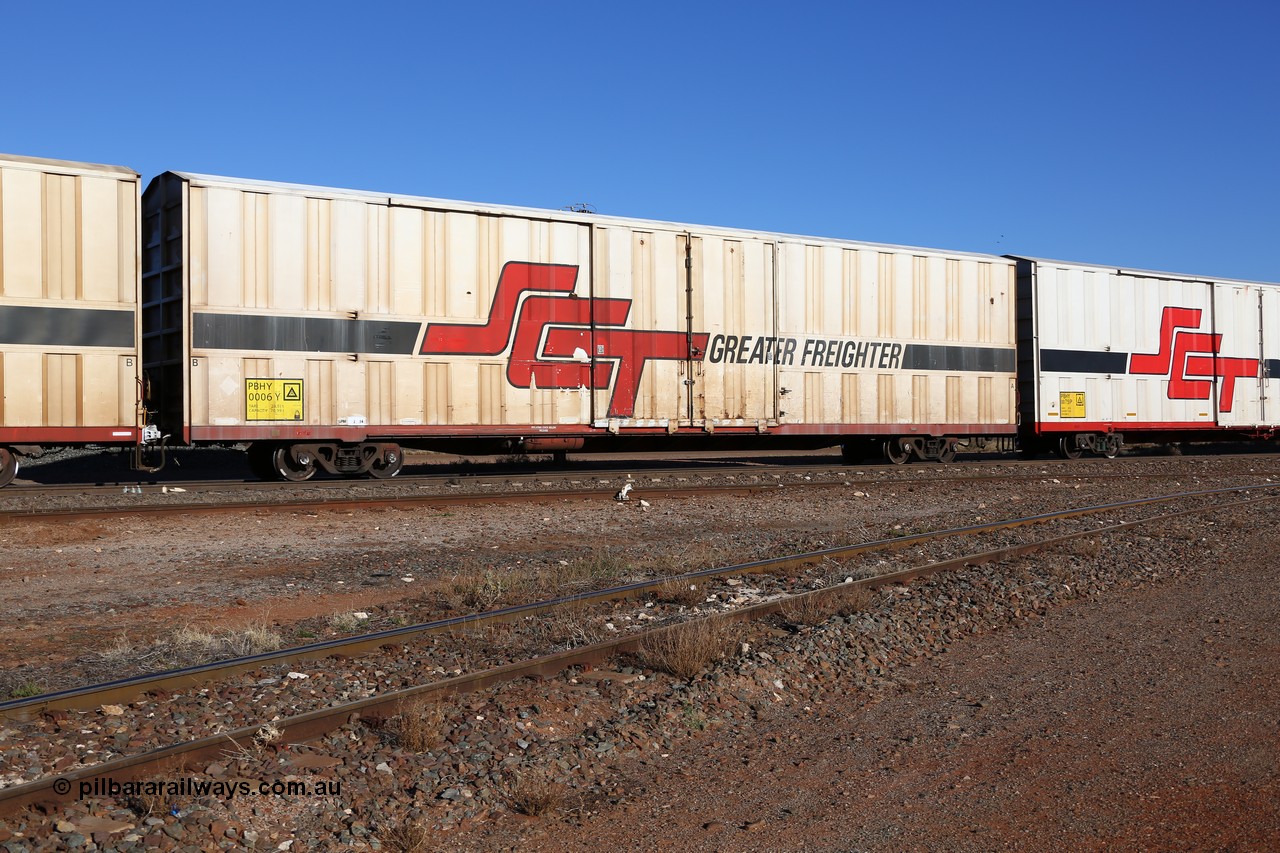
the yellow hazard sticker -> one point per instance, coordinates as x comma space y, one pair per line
273, 399
1071, 404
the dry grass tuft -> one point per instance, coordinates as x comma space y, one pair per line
535, 795
148, 801
150, 798
818, 608
682, 592
695, 557
851, 599
408, 837
187, 646
420, 724
600, 565
348, 623
686, 650
17, 685
1060, 572
805, 610
1088, 547
478, 589
569, 627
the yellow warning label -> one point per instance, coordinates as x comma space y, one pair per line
273, 399
1071, 403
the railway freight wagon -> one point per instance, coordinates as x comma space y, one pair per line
69, 325
330, 328
1107, 354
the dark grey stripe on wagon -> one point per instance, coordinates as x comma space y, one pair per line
1272, 366
1083, 361
303, 334
938, 357
66, 327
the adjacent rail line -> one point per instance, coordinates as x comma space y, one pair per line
454, 489
304, 726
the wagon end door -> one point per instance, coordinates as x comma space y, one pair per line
1269, 315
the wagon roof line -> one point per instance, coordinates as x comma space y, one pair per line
396, 200
75, 167
1140, 273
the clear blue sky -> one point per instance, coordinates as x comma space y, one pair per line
1141, 134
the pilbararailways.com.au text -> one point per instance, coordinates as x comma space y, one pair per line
188, 787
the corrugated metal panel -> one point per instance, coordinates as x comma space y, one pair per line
487, 209
439, 409
733, 294
874, 320
68, 294
319, 404
539, 319
1238, 363
1269, 315
1146, 350
44, 165
313, 273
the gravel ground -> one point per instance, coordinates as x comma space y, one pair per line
73, 591
1133, 718
863, 706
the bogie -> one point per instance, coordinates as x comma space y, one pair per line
898, 450
8, 466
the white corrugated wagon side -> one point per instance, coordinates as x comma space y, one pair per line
1112, 353
329, 328
69, 325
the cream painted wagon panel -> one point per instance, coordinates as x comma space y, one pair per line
61, 267
21, 249
287, 256
1237, 389
407, 400
103, 232
950, 315
23, 389
1092, 315
379, 384
100, 390
62, 390
733, 295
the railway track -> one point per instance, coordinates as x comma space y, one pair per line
196, 497
310, 723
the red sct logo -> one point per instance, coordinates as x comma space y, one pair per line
1190, 359
560, 340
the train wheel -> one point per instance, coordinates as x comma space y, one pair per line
895, 452
8, 466
388, 465
284, 466
260, 462
1067, 447
948, 453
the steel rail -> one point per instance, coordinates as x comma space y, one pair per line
128, 689
639, 490
452, 477
475, 473
347, 503
311, 725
